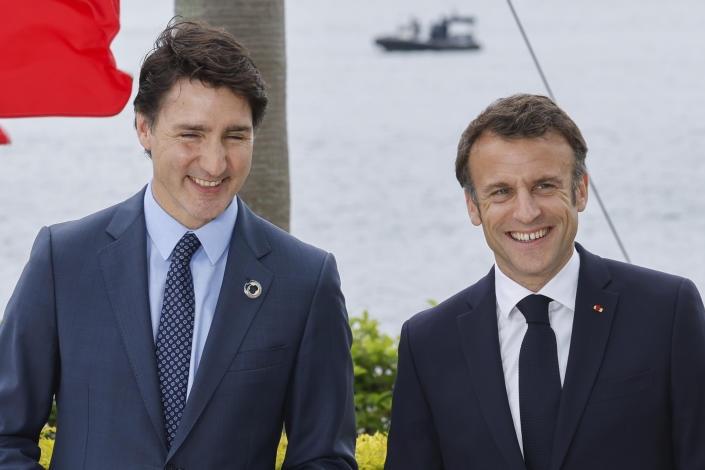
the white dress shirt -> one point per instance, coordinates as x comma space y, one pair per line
207, 267
512, 326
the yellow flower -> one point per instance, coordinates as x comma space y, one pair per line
46, 444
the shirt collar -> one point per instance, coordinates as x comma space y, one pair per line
165, 231
562, 288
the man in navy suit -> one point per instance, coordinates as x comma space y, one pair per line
557, 359
178, 330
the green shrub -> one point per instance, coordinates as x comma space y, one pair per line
374, 355
52, 416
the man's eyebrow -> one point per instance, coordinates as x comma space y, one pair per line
493, 187
501, 185
191, 127
549, 179
202, 128
238, 128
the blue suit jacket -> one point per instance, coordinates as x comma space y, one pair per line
633, 395
78, 326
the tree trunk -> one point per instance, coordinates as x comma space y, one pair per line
259, 26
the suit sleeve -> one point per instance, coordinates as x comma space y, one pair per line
413, 443
320, 411
688, 379
28, 360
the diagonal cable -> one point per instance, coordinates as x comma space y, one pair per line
591, 182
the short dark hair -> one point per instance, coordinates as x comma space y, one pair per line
197, 51
520, 116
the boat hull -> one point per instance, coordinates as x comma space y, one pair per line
391, 43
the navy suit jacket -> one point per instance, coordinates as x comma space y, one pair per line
633, 394
78, 326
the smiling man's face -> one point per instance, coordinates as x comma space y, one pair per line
526, 204
201, 147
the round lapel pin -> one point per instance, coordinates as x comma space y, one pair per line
253, 289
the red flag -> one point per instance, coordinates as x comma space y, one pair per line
55, 59
4, 139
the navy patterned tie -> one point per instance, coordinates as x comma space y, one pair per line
175, 336
539, 383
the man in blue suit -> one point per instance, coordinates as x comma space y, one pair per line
178, 330
558, 358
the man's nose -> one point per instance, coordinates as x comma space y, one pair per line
527, 209
213, 159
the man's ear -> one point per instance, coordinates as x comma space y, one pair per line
144, 132
581, 193
473, 210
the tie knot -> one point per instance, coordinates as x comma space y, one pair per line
535, 308
184, 250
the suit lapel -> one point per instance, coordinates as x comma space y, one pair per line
480, 343
124, 267
233, 315
591, 329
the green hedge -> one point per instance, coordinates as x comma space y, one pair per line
374, 355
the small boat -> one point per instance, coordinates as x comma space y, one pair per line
443, 36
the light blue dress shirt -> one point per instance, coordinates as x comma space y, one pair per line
207, 267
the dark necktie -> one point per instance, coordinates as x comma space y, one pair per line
175, 334
539, 383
